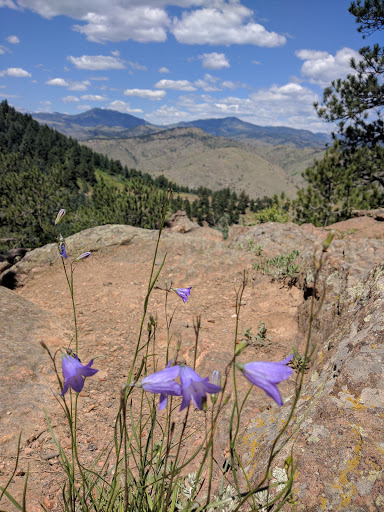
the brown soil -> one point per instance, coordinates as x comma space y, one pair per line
109, 293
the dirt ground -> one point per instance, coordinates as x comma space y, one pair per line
109, 293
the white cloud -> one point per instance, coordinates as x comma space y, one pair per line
93, 97
164, 70
225, 24
96, 62
13, 39
72, 86
121, 23
177, 85
208, 84
168, 115
322, 67
311, 54
228, 84
70, 99
137, 66
8, 3
15, 72
205, 21
3, 49
214, 60
145, 93
122, 106
79, 86
58, 81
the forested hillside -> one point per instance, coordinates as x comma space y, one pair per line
42, 171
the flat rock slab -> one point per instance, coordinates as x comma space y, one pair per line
25, 375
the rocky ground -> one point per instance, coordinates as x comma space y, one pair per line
339, 448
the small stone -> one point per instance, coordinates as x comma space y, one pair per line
48, 503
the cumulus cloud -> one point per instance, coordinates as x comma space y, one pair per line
79, 86
322, 67
203, 21
164, 70
13, 39
214, 60
72, 86
58, 81
15, 72
96, 62
141, 23
209, 84
225, 24
177, 85
122, 106
70, 99
93, 97
145, 93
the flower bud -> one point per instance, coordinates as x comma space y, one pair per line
328, 240
83, 256
241, 346
215, 379
59, 216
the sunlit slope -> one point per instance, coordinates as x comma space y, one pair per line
191, 157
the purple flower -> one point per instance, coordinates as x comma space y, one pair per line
162, 382
74, 373
195, 388
266, 376
62, 251
184, 293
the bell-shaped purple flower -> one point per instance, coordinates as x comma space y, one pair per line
62, 251
162, 382
184, 293
267, 375
195, 388
74, 373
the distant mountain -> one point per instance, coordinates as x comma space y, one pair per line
97, 122
104, 123
234, 128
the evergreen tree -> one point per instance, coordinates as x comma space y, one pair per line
351, 174
356, 103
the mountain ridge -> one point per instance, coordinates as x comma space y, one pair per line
106, 123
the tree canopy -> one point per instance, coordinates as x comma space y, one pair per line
352, 172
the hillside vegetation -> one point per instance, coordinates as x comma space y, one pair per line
42, 171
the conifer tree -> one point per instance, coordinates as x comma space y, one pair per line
352, 172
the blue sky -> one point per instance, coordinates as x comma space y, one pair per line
263, 61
